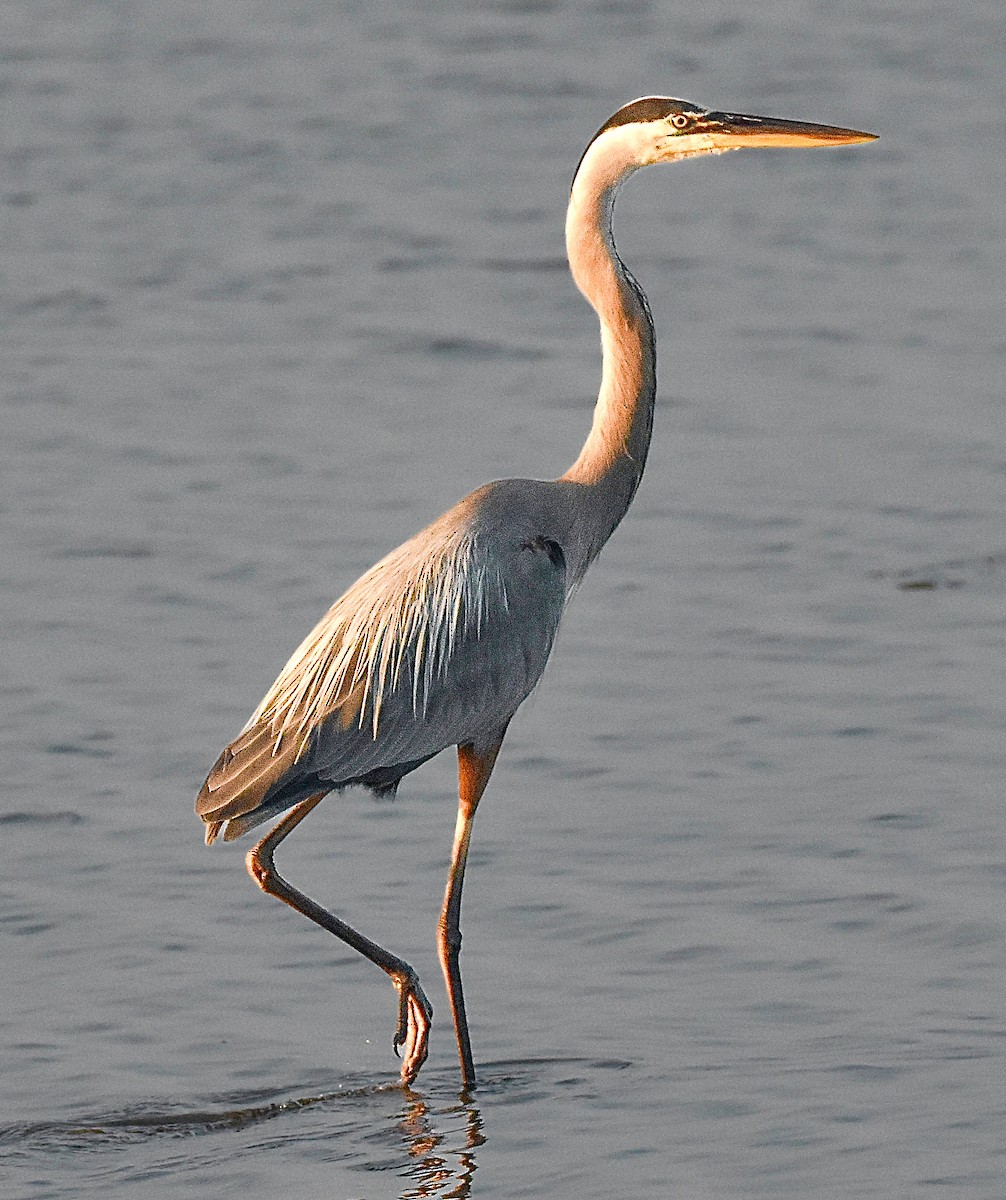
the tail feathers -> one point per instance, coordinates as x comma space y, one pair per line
244, 779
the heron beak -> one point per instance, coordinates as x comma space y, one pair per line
734, 131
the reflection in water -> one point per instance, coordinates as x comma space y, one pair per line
427, 1141
442, 1168
433, 1148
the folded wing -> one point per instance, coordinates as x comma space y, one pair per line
434, 646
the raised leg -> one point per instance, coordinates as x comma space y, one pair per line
414, 1011
475, 764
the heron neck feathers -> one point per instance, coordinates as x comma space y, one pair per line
612, 459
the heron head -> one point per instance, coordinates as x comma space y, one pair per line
656, 129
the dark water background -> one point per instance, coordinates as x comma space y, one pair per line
281, 281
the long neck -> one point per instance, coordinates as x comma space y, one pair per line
612, 459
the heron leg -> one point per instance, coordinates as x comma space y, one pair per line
475, 764
414, 1010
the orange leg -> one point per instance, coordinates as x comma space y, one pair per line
414, 1010
475, 764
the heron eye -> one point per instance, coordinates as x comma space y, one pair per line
679, 120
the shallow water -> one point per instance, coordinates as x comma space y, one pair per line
284, 281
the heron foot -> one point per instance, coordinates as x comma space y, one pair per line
415, 1014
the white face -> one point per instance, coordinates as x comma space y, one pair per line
621, 149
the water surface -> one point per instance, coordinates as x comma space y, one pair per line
282, 282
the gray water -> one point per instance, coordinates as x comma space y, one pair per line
282, 281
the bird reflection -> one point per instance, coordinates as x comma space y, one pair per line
444, 1161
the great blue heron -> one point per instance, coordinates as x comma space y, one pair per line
440, 642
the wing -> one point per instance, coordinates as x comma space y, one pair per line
436, 644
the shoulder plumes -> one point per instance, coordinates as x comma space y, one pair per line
395, 628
